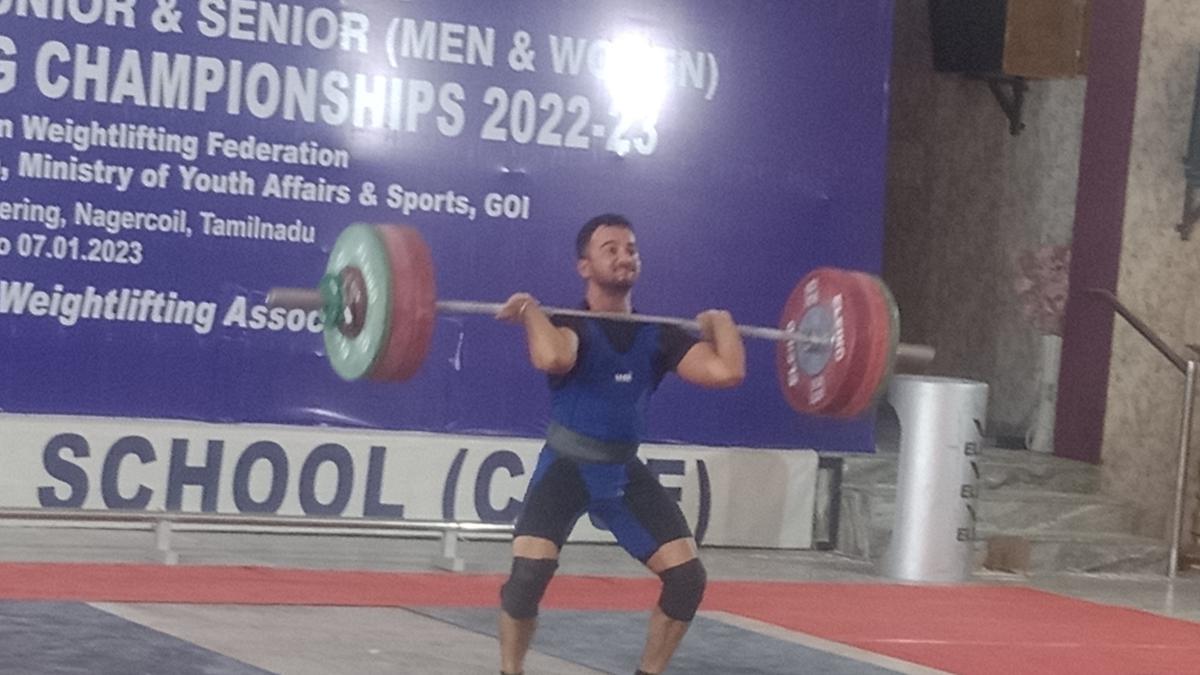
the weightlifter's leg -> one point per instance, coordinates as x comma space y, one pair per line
534, 562
555, 499
649, 525
684, 579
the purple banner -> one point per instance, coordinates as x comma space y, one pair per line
163, 164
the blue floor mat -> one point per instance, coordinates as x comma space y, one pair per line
612, 642
65, 638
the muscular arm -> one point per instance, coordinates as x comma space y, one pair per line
719, 361
552, 349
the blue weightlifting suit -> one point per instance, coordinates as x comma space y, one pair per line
606, 396
598, 416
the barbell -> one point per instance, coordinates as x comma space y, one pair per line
836, 345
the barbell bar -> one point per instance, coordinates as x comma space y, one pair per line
836, 348
313, 300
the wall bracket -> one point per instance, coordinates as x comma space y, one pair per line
1009, 92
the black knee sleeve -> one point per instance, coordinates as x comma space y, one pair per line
520, 595
682, 590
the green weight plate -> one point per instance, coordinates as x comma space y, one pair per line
894, 343
360, 246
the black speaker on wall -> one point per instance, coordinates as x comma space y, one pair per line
1020, 38
968, 35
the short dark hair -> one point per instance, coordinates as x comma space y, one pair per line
585, 233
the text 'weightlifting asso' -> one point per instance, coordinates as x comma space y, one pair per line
837, 344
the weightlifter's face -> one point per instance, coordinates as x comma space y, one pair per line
612, 260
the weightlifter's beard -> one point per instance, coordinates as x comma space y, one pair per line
617, 286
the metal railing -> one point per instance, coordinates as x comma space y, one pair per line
164, 522
1188, 368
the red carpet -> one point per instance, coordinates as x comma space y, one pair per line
974, 629
962, 629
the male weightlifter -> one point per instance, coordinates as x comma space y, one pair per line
601, 374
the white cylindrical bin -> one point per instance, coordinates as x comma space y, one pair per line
937, 481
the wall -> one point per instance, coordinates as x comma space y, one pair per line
1159, 273
964, 198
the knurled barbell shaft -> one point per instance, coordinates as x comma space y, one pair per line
309, 299
471, 307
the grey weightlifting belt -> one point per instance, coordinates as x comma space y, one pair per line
587, 449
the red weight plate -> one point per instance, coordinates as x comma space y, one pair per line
414, 299
825, 301
894, 327
873, 351
861, 355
